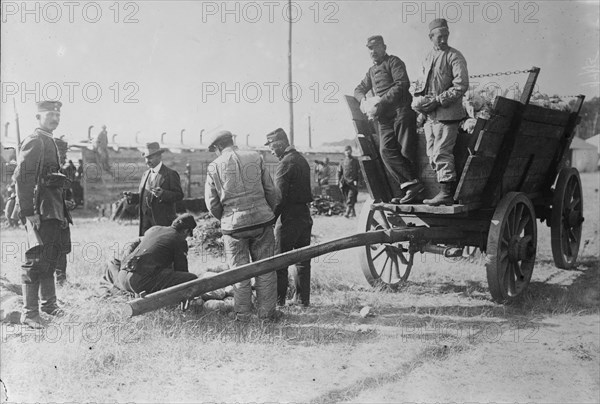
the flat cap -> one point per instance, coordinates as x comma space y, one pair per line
184, 221
438, 23
375, 40
218, 137
277, 134
348, 148
45, 106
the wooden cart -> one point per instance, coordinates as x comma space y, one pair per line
508, 171
512, 171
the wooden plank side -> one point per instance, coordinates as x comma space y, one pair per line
354, 107
377, 184
542, 130
364, 127
536, 113
475, 177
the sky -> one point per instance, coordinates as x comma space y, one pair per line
144, 68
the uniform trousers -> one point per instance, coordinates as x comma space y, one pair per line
292, 231
398, 144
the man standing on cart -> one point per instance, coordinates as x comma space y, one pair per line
390, 107
446, 81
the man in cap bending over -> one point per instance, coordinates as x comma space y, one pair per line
240, 193
446, 81
388, 79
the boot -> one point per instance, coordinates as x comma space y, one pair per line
347, 214
31, 315
444, 197
412, 193
61, 270
48, 297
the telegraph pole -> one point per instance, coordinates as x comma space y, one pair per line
291, 89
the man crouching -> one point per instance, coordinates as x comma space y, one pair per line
158, 259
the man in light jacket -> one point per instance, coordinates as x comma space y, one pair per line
447, 80
240, 193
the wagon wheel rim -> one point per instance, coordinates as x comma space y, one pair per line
385, 265
511, 247
567, 218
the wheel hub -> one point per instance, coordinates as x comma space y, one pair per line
520, 248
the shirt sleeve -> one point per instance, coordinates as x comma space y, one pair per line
360, 92
460, 81
272, 194
211, 195
282, 182
26, 174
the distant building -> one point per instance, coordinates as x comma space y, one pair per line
583, 155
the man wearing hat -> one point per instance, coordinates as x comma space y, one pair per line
41, 195
388, 79
294, 223
348, 180
159, 190
240, 193
446, 81
157, 260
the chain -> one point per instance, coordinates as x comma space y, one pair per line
508, 73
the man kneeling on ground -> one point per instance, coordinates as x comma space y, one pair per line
158, 259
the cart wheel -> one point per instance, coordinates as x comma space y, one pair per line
511, 247
567, 218
382, 264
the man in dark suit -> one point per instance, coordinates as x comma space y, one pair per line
160, 189
294, 224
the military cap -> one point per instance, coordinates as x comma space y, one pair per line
438, 23
348, 148
184, 221
46, 106
152, 148
375, 40
277, 134
218, 137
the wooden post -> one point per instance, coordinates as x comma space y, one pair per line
290, 82
181, 136
83, 179
530, 85
188, 175
90, 132
191, 289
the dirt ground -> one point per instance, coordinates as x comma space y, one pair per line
440, 338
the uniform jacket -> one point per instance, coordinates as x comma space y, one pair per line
38, 157
446, 78
388, 79
293, 181
348, 171
239, 190
160, 248
163, 208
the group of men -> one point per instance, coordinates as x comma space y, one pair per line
445, 81
259, 218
